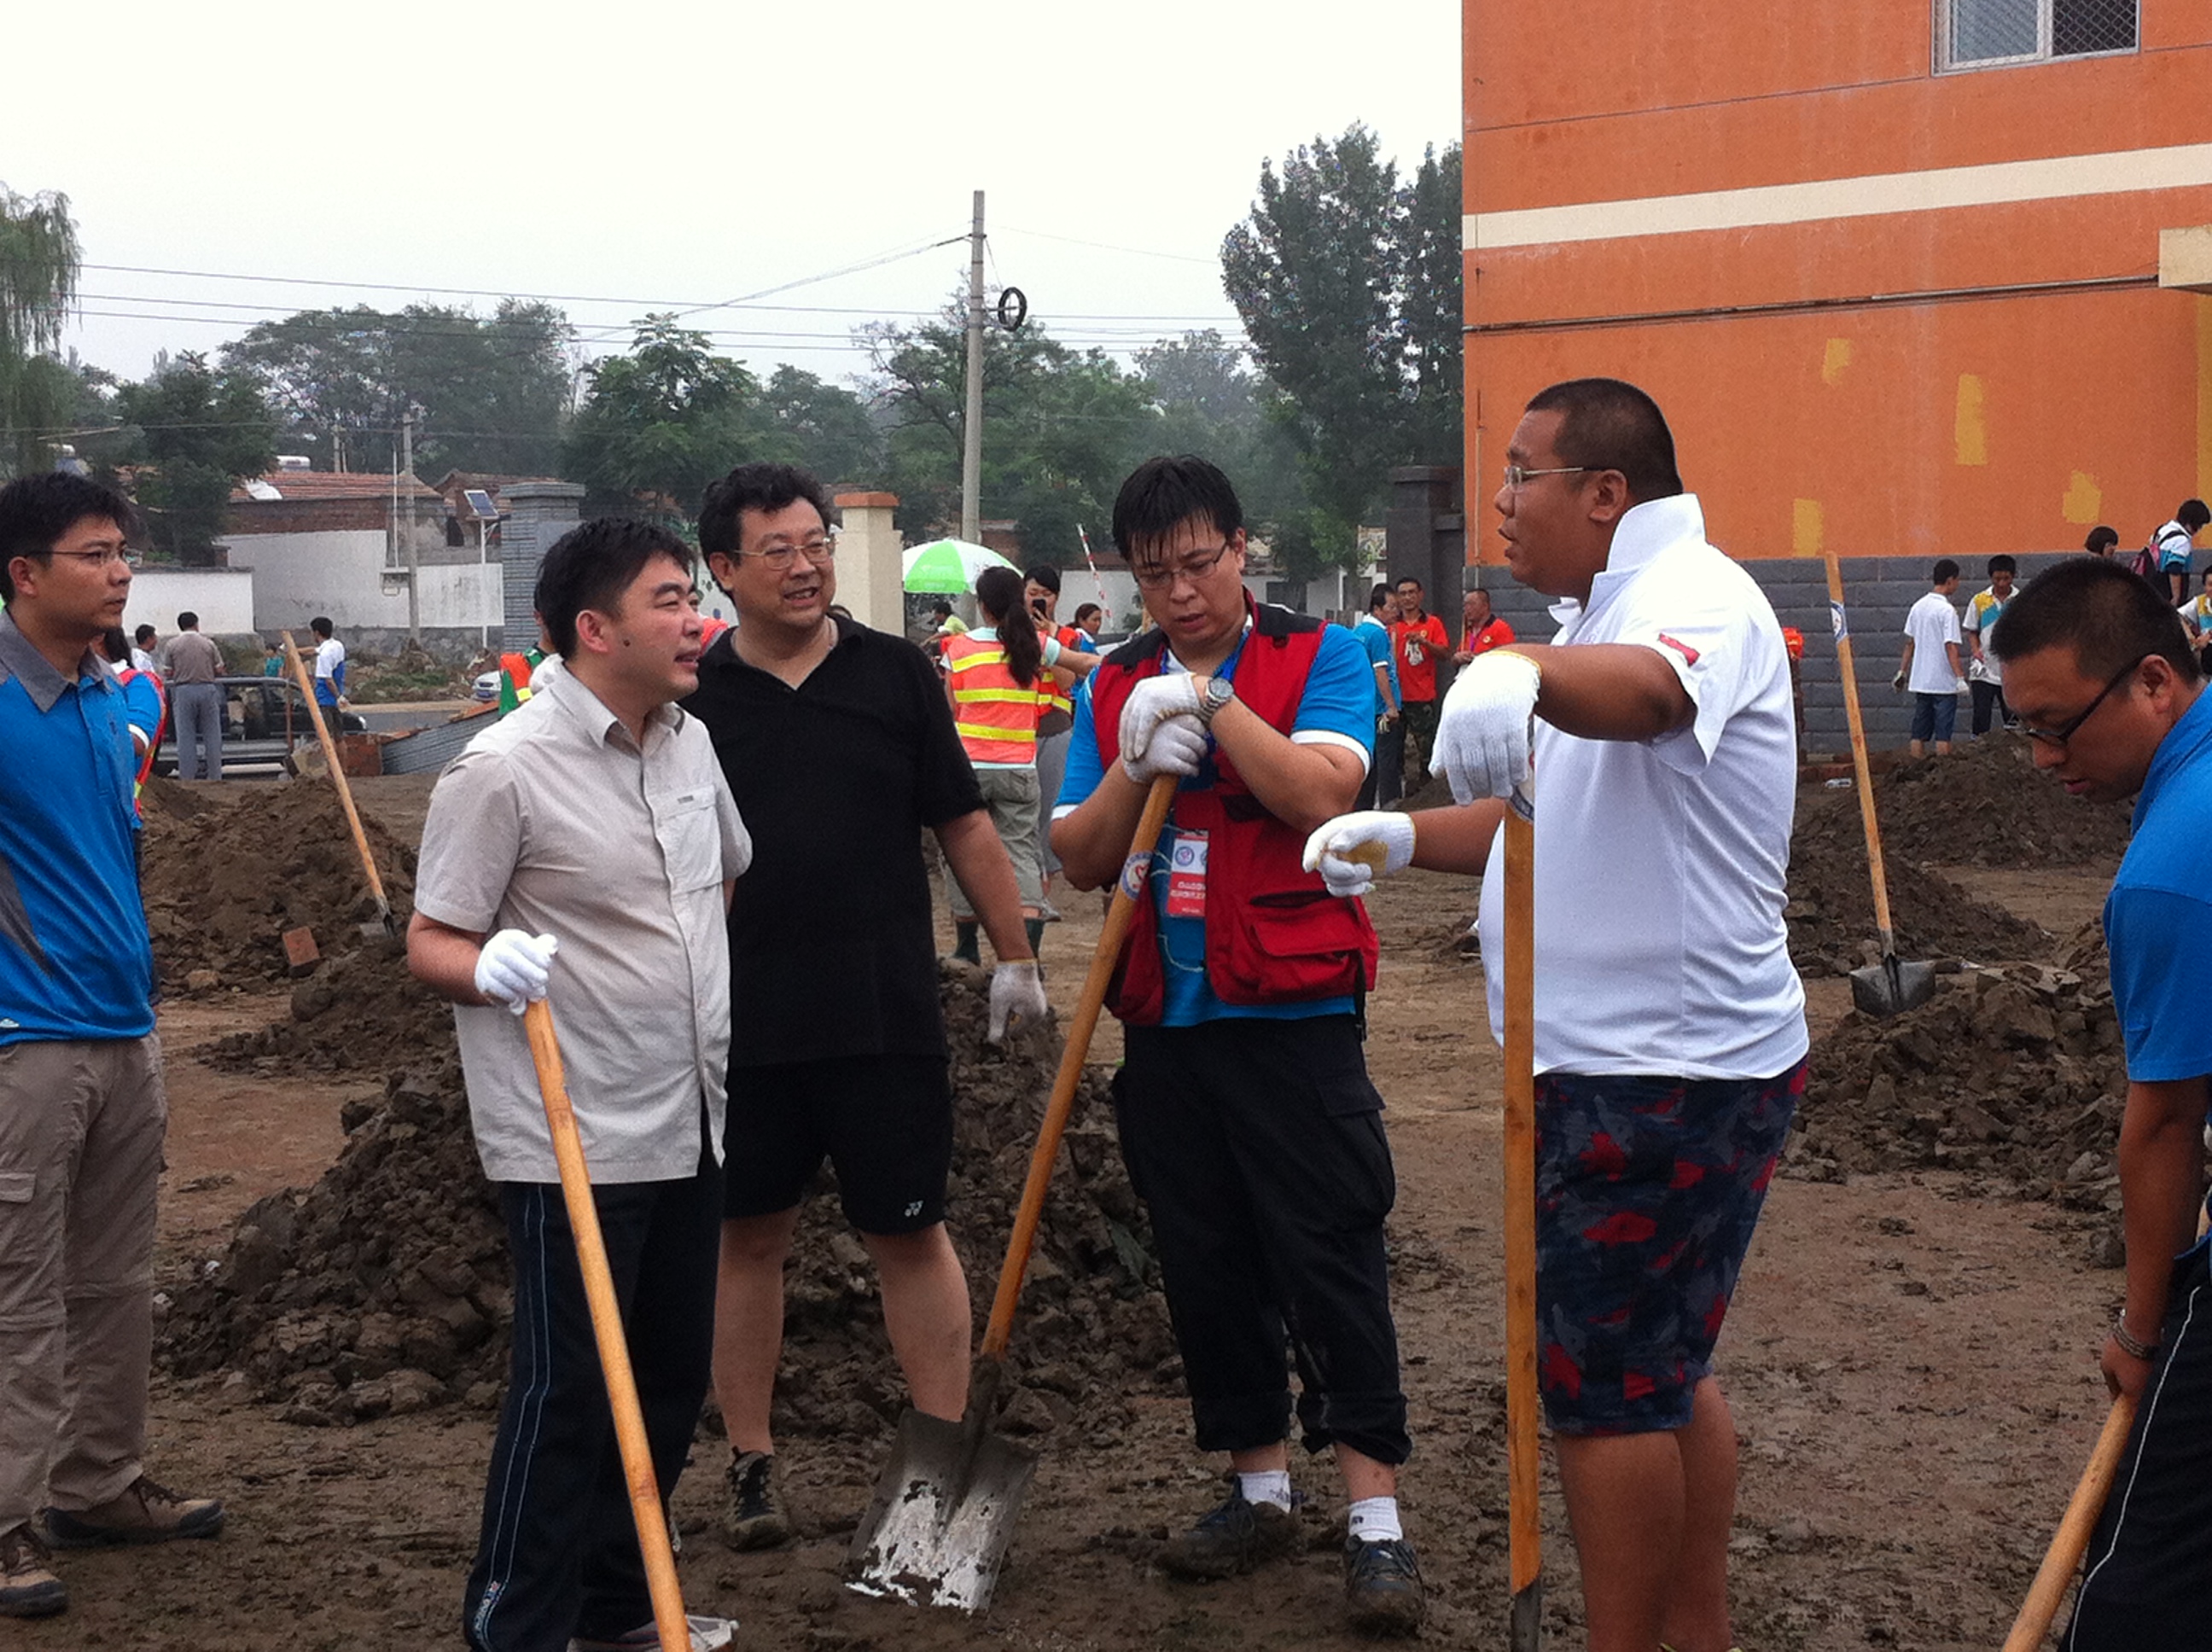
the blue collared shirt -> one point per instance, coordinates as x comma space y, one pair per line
2155, 916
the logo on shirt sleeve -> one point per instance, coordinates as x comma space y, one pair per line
1688, 654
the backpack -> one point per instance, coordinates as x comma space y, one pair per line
2143, 563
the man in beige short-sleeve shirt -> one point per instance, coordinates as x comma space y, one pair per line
583, 850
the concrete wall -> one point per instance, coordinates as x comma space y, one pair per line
341, 573
543, 511
221, 597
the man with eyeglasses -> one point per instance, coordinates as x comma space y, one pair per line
82, 1112
839, 744
2101, 673
1250, 1125
1670, 1034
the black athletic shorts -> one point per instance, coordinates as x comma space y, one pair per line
884, 1121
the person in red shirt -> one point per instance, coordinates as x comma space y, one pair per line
1479, 629
1418, 639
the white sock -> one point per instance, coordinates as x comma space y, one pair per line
1374, 1520
1268, 1485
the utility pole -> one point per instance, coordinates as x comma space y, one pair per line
971, 451
414, 563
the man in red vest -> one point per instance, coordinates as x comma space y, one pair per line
1246, 1116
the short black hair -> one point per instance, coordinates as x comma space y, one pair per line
1944, 570
142, 633
1046, 574
1608, 424
1377, 596
188, 620
115, 646
755, 488
2193, 515
36, 511
590, 566
1086, 609
1163, 494
1408, 579
2100, 540
940, 605
321, 626
2002, 564
2107, 614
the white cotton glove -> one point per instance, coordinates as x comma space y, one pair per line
514, 966
1017, 998
1353, 850
1160, 730
1482, 731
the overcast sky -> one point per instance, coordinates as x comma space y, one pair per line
658, 155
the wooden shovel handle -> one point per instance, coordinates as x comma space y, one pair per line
2072, 1540
1127, 891
337, 774
1525, 1550
607, 1326
1849, 674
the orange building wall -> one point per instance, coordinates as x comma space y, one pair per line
1968, 426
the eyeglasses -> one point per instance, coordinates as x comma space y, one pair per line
780, 557
1192, 568
2058, 737
1517, 476
103, 557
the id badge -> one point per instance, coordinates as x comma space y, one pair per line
1187, 876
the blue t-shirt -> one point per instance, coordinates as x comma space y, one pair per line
1375, 637
75, 959
1338, 701
2156, 914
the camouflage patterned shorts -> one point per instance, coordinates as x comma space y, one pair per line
1647, 1190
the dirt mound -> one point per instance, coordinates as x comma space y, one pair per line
2016, 1076
229, 869
1984, 805
385, 1287
1830, 912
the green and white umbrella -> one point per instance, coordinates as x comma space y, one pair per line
948, 565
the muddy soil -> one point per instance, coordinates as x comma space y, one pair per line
1911, 1366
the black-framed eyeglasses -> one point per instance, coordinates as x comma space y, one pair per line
2060, 735
1193, 568
1517, 476
780, 557
103, 557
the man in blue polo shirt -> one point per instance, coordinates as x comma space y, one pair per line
2098, 668
1385, 781
82, 1107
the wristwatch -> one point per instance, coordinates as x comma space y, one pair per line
1219, 691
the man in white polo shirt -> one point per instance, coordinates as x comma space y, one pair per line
1670, 1027
1930, 667
593, 821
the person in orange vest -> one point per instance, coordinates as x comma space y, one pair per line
998, 676
1078, 658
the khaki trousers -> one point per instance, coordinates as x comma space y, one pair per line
81, 1130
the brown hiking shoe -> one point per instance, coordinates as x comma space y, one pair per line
28, 1587
145, 1513
1233, 1536
756, 1518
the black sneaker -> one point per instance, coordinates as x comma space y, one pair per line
28, 1587
1382, 1581
1232, 1537
144, 1513
755, 1518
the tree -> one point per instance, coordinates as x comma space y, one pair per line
1348, 284
494, 391
194, 432
824, 427
661, 423
39, 263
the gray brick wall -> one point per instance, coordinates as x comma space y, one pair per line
543, 511
1877, 592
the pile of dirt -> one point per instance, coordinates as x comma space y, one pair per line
385, 1287
2015, 1076
1830, 912
229, 869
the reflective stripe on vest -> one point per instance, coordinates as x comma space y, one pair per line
1054, 698
996, 717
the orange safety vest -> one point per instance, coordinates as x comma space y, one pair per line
996, 716
1056, 698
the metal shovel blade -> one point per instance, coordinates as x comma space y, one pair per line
943, 1513
1892, 986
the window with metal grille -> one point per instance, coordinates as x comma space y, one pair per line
1984, 34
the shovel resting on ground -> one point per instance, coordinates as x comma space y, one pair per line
1890, 986
383, 924
946, 1504
1524, 1551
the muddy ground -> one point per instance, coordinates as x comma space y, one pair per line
1910, 1356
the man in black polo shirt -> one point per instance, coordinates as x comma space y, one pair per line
839, 747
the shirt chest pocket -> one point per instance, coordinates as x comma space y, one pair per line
691, 840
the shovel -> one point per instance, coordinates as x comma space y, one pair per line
1890, 986
1525, 1550
945, 1506
660, 1583
2074, 1532
383, 923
